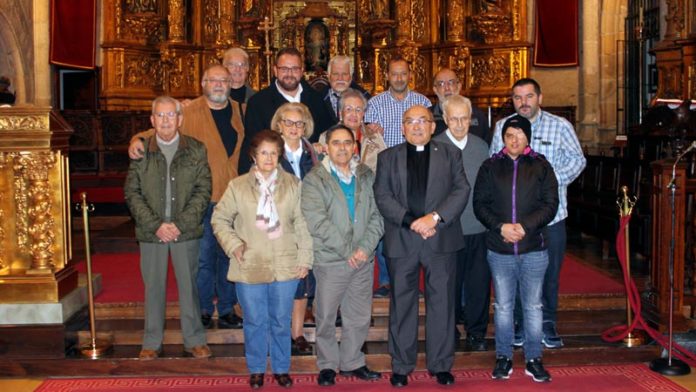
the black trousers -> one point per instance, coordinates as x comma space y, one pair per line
474, 275
439, 269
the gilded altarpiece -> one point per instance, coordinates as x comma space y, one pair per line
35, 248
161, 47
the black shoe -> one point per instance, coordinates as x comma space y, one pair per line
207, 321
327, 377
536, 370
475, 343
301, 346
444, 378
382, 292
283, 380
256, 380
362, 373
230, 321
502, 369
398, 380
551, 339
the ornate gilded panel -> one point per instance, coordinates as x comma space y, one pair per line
491, 70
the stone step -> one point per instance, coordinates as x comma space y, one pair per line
130, 331
229, 359
380, 306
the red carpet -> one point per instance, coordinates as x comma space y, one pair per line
622, 378
121, 280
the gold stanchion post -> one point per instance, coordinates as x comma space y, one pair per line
96, 348
634, 338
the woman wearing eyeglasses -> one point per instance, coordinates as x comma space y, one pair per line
260, 226
295, 124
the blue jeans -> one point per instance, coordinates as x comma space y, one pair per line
508, 272
267, 312
212, 272
383, 273
556, 244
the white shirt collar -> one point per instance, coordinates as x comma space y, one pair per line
459, 143
290, 98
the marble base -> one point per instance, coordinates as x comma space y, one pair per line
50, 313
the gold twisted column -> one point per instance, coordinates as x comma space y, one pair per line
176, 20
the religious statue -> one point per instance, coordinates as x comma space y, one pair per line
316, 46
380, 9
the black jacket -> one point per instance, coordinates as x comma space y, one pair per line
533, 204
262, 106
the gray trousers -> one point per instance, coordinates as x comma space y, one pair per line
352, 290
440, 278
153, 266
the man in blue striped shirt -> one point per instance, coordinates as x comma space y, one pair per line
555, 138
387, 110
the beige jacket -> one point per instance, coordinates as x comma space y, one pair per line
234, 224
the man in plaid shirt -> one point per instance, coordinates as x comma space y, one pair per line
555, 138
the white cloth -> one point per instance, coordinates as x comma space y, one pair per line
266, 211
298, 96
461, 144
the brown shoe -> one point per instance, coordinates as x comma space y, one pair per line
301, 346
256, 380
283, 380
149, 355
198, 352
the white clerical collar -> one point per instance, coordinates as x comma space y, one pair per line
459, 143
290, 98
419, 148
167, 143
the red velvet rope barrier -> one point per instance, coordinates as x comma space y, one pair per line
617, 333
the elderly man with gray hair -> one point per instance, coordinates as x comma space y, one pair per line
340, 79
472, 267
236, 60
169, 221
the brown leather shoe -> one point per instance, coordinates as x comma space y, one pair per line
256, 380
149, 355
283, 380
301, 346
198, 352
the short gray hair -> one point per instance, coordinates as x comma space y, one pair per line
456, 100
340, 59
236, 50
351, 93
166, 99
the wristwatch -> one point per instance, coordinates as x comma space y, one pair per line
436, 217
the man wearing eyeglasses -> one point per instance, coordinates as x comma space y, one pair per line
168, 218
445, 84
287, 86
421, 190
340, 79
473, 272
216, 121
236, 60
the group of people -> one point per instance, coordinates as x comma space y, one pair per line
277, 199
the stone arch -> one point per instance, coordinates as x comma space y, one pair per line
16, 45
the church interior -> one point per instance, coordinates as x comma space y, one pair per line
623, 72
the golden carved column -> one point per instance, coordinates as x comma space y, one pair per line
34, 207
403, 21
676, 20
227, 31
176, 20
455, 21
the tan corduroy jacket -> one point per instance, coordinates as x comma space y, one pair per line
234, 224
199, 123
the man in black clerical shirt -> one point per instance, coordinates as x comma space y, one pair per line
421, 190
